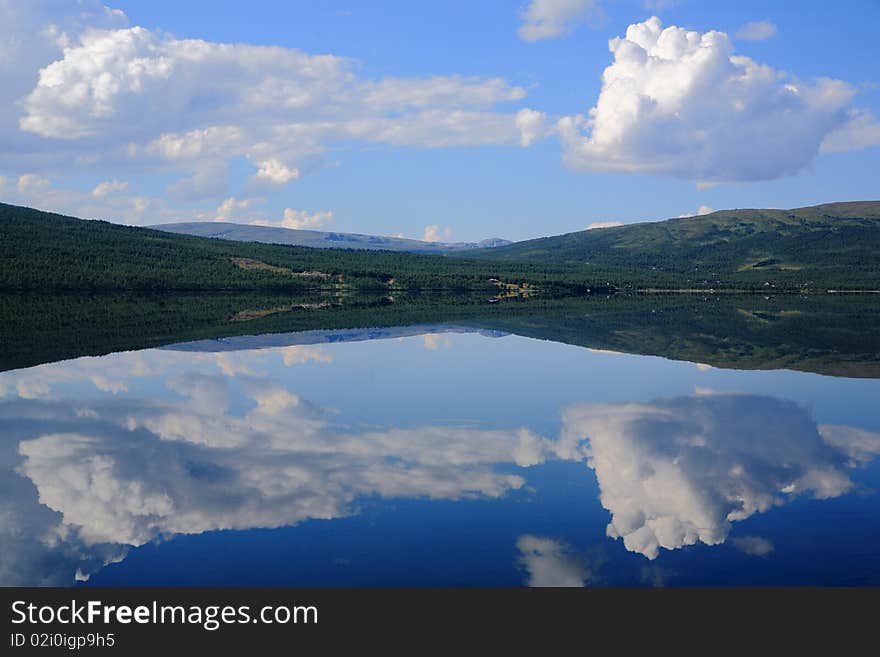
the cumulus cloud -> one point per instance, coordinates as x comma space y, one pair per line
109, 187
32, 34
680, 103
83, 88
756, 31
435, 233
31, 183
302, 219
678, 472
861, 130
235, 210
275, 172
603, 224
210, 179
107, 200
548, 19
531, 125
550, 563
272, 105
297, 220
703, 209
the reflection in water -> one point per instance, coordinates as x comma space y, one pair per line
113, 473
98, 455
679, 471
550, 562
754, 545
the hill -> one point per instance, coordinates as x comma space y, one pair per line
831, 247
46, 251
836, 244
320, 239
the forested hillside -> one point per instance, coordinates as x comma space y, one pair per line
41, 250
833, 245
813, 249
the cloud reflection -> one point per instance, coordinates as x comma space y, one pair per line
550, 562
680, 471
87, 478
98, 455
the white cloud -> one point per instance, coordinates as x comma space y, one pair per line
531, 126
210, 180
550, 563
36, 191
434, 233
270, 104
275, 172
703, 209
109, 187
31, 183
82, 89
32, 34
756, 31
603, 224
299, 220
862, 130
680, 103
548, 19
213, 141
235, 210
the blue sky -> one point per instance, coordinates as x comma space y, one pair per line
453, 120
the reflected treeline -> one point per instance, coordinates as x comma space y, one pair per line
830, 334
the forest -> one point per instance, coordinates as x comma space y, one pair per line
767, 251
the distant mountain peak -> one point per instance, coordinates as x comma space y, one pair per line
321, 239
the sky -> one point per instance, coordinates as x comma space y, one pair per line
449, 121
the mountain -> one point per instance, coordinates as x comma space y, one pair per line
45, 251
320, 239
836, 243
825, 248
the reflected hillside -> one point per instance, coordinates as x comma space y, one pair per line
835, 335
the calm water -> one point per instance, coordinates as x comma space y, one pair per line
432, 456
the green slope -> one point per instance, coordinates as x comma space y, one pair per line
833, 245
821, 248
45, 251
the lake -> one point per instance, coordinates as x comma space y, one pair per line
500, 452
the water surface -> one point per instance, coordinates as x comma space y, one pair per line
432, 455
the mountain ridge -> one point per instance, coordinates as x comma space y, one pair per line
825, 248
320, 239
756, 246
